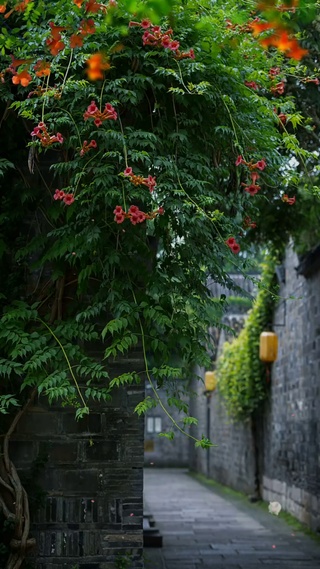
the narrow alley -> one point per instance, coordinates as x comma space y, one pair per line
203, 529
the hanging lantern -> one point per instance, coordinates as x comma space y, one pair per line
210, 380
268, 347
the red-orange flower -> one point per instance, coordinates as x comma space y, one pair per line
55, 43
55, 46
247, 222
233, 245
97, 63
93, 6
258, 27
22, 78
290, 201
16, 62
316, 81
76, 41
56, 31
281, 40
252, 85
46, 140
87, 27
278, 89
3, 8
18, 8
42, 68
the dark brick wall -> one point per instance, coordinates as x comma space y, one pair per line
93, 481
289, 424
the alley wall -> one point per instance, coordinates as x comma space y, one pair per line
289, 422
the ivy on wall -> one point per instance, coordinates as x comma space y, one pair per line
242, 377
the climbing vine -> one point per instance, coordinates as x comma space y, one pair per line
242, 377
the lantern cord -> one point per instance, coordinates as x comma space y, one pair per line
268, 373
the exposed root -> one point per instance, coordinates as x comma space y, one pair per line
14, 501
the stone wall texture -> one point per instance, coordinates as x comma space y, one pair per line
93, 480
289, 424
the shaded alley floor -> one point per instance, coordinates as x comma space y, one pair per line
202, 529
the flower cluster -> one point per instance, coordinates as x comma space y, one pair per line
280, 39
242, 28
290, 201
252, 85
22, 78
96, 65
314, 80
61, 195
150, 181
185, 54
93, 6
233, 245
251, 187
42, 68
99, 117
20, 7
86, 27
155, 37
274, 71
260, 165
248, 223
54, 42
42, 133
134, 214
86, 146
278, 89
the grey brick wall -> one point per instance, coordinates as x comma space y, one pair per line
291, 450
93, 481
159, 451
289, 430
231, 462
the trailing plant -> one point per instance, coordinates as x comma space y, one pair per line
242, 377
149, 140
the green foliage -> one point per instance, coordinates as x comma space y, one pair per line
143, 406
204, 443
76, 282
123, 561
241, 374
241, 302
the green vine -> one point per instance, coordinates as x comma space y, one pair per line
241, 375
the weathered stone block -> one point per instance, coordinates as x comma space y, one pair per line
62, 452
88, 425
102, 451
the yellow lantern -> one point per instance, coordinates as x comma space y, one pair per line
268, 347
210, 380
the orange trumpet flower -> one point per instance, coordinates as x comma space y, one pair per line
97, 63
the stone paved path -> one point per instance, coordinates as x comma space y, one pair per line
202, 529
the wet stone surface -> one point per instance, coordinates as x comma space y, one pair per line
203, 530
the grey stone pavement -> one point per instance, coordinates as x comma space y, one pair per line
203, 529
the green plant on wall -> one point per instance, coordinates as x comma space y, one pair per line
241, 374
123, 561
